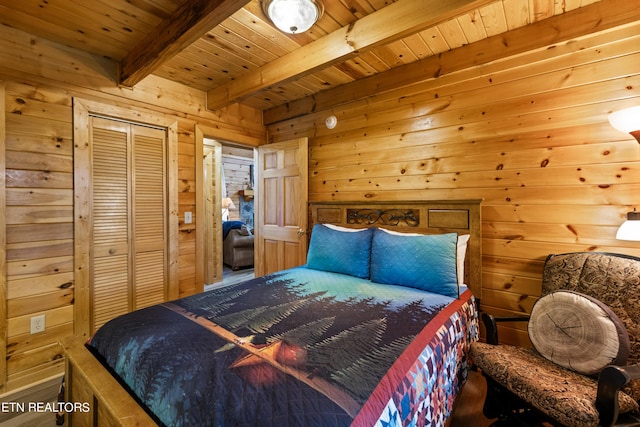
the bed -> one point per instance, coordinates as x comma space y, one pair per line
364, 334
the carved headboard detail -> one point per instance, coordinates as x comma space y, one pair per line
423, 216
393, 217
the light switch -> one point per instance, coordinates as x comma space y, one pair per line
188, 218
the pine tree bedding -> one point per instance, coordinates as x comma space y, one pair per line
301, 347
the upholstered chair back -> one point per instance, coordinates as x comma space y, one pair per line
612, 279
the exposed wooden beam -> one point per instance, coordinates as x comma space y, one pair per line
595, 17
386, 25
188, 23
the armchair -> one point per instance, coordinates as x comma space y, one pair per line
547, 384
237, 248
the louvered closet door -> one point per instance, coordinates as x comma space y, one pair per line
149, 205
129, 218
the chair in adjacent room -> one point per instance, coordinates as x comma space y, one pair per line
237, 248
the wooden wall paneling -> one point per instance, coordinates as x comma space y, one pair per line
186, 234
93, 77
186, 202
38, 147
39, 214
528, 134
563, 32
442, 105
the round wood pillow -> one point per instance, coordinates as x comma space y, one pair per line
578, 332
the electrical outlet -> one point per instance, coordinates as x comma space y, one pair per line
37, 324
188, 218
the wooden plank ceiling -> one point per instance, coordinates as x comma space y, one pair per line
229, 49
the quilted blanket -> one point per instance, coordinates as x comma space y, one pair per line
300, 347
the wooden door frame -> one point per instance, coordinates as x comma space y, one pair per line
201, 132
212, 203
83, 217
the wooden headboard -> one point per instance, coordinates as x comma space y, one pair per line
426, 217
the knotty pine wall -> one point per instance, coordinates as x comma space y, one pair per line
37, 121
528, 133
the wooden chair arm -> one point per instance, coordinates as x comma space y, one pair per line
611, 379
490, 323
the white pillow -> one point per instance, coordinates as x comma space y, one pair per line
461, 253
578, 332
340, 228
463, 240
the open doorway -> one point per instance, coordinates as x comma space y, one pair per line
229, 212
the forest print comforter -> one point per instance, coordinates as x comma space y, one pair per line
295, 348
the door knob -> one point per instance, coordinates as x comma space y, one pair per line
301, 232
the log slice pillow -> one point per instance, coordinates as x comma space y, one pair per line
578, 332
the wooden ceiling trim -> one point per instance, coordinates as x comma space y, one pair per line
367, 33
597, 16
188, 23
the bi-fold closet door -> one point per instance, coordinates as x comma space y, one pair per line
129, 217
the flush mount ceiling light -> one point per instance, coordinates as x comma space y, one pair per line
627, 120
293, 16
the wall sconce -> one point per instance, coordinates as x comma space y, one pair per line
627, 120
293, 16
630, 229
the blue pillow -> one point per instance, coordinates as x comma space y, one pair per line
426, 262
346, 252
